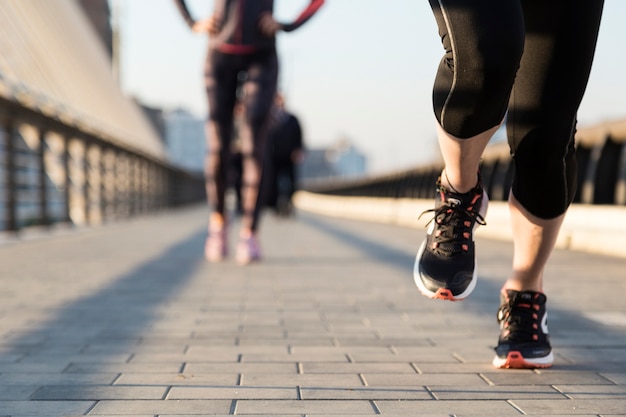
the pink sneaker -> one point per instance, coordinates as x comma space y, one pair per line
248, 250
215, 248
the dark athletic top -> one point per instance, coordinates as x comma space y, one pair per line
239, 33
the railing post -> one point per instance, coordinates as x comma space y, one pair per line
129, 185
44, 215
86, 187
11, 191
141, 185
104, 183
165, 187
620, 186
67, 179
93, 162
125, 183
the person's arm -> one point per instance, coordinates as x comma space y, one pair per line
210, 25
184, 12
269, 26
311, 9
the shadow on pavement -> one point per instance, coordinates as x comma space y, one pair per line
594, 346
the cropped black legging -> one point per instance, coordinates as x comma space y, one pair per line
223, 78
531, 58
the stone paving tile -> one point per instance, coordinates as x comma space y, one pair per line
111, 415
190, 407
457, 368
308, 357
475, 354
495, 393
230, 356
315, 407
376, 341
9, 357
602, 407
583, 392
308, 380
62, 358
116, 415
238, 368
225, 415
44, 408
354, 415
427, 354
173, 379
379, 380
95, 392
523, 377
366, 393
341, 350
617, 378
132, 351
238, 392
447, 408
329, 341
16, 392
41, 378
611, 362
155, 367
53, 367
562, 365
198, 350
360, 367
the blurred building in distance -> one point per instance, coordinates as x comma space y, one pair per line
340, 160
156, 116
184, 139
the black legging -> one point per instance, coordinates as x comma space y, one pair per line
222, 78
532, 58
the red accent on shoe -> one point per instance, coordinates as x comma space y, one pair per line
515, 360
444, 294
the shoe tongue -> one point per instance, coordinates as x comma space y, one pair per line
456, 199
453, 201
523, 296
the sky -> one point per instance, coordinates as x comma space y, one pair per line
361, 70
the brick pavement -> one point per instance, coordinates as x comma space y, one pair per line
129, 320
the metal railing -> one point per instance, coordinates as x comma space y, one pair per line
55, 169
601, 156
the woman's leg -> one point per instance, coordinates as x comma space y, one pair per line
221, 85
260, 88
533, 241
483, 42
560, 44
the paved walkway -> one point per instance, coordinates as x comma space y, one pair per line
129, 320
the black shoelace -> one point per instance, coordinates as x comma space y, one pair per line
520, 322
449, 232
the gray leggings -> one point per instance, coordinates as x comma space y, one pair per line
530, 60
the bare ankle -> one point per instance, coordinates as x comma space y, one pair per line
459, 185
217, 221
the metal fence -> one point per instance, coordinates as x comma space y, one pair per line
54, 169
601, 156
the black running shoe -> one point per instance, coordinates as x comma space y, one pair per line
445, 265
524, 341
